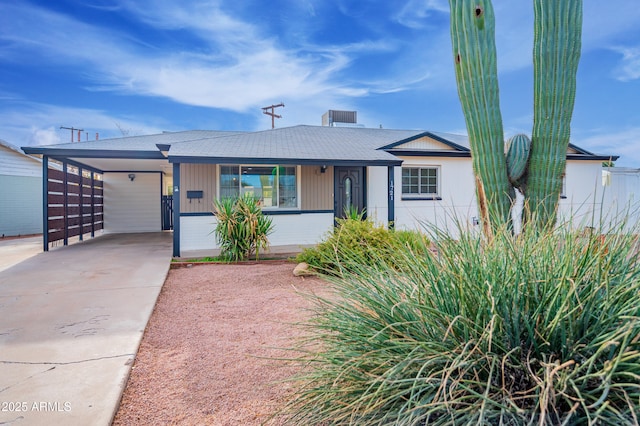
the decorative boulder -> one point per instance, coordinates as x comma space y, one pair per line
301, 269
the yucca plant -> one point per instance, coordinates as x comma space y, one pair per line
242, 229
538, 329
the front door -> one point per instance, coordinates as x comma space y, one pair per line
349, 190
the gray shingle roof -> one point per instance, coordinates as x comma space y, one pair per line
136, 143
313, 144
290, 145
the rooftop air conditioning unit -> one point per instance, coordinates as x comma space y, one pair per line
333, 117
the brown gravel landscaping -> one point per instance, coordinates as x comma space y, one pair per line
208, 355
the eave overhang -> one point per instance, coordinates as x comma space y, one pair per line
287, 161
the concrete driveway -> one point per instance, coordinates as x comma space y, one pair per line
13, 251
71, 321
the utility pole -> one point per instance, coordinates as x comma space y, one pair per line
72, 130
265, 110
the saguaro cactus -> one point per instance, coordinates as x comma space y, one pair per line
534, 166
474, 50
556, 53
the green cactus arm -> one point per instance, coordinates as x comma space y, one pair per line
518, 149
474, 52
556, 53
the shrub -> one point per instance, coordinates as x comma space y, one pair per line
538, 329
356, 241
242, 229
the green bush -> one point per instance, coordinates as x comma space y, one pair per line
540, 329
356, 241
241, 228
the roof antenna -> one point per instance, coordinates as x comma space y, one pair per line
265, 110
72, 130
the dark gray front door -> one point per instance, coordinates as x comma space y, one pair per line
349, 190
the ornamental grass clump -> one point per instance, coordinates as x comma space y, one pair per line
540, 329
242, 229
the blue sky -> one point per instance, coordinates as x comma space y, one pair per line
140, 66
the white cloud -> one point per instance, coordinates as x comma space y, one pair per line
17, 124
48, 136
629, 69
235, 67
625, 143
415, 13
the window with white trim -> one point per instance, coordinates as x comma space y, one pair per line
421, 182
273, 186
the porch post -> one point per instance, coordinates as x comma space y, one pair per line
81, 204
391, 211
45, 202
65, 201
176, 209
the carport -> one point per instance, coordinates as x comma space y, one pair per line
114, 185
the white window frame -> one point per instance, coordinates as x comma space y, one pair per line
419, 195
272, 208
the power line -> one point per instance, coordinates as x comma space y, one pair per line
265, 110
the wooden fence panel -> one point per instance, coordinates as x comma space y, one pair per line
76, 205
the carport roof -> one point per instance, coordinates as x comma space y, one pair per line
147, 146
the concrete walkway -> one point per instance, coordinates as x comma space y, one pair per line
71, 321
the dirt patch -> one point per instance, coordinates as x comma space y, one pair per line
208, 354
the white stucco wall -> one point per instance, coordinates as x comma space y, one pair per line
132, 206
456, 190
20, 194
583, 192
196, 232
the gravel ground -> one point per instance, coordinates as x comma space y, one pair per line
207, 355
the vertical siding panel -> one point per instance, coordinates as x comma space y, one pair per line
317, 188
197, 177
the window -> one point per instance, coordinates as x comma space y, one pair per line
420, 182
273, 186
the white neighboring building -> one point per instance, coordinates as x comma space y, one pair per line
20, 192
621, 193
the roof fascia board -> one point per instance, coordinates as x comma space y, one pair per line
429, 135
96, 153
414, 153
592, 157
580, 150
288, 161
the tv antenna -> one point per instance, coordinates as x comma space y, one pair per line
72, 130
265, 110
